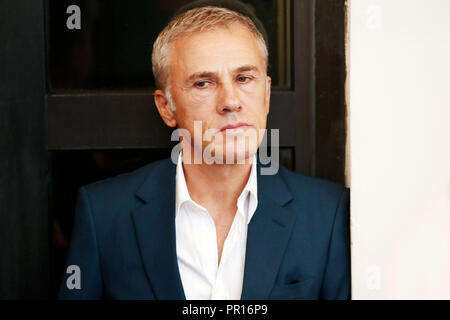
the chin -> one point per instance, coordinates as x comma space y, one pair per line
230, 154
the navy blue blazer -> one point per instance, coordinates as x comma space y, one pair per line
124, 238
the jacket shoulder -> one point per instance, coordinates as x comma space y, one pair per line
307, 187
119, 191
124, 180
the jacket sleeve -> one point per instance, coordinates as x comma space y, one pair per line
82, 274
336, 281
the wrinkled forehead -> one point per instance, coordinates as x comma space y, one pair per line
225, 45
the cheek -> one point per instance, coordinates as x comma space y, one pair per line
256, 105
197, 107
254, 93
193, 117
200, 99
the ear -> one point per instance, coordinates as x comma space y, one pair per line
164, 108
268, 91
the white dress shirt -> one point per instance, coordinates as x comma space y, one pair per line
196, 243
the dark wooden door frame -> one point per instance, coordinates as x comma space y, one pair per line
24, 237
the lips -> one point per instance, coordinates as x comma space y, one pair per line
234, 126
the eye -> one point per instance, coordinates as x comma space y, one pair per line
201, 84
243, 79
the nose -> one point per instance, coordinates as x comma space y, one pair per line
228, 99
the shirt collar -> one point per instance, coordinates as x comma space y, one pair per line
247, 201
182, 193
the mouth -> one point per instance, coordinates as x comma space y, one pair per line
234, 128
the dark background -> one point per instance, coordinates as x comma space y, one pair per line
67, 122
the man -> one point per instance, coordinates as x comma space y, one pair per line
210, 229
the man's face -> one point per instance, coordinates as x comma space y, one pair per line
219, 77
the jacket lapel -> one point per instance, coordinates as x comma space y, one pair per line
155, 229
268, 234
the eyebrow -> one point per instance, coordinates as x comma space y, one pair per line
209, 74
201, 74
247, 68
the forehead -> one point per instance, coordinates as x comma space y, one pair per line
215, 50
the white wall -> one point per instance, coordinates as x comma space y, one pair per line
398, 95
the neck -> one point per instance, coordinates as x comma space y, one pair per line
217, 185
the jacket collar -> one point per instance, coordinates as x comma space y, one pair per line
268, 233
155, 229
